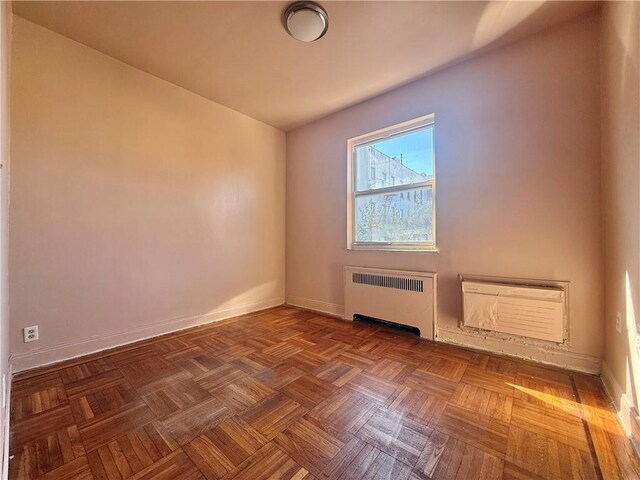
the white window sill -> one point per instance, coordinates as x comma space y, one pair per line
394, 248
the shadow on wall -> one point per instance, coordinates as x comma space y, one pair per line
621, 166
495, 14
633, 360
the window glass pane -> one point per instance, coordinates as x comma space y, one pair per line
395, 217
399, 160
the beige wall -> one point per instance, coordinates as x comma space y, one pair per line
621, 199
136, 206
518, 183
5, 67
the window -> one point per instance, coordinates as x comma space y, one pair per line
382, 215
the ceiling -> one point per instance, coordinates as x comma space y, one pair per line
238, 54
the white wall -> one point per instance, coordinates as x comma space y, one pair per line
137, 207
621, 188
5, 67
518, 184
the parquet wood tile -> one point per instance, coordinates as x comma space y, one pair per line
417, 405
514, 472
329, 349
336, 372
547, 457
386, 467
495, 364
390, 370
561, 426
360, 460
190, 422
430, 384
443, 367
185, 354
243, 393
131, 453
38, 383
269, 463
47, 452
406, 356
290, 394
272, 415
254, 363
346, 410
311, 444
373, 386
201, 364
352, 462
357, 359
616, 456
94, 383
224, 447
172, 393
220, 376
131, 353
489, 380
282, 350
146, 369
77, 469
30, 399
446, 457
234, 352
395, 434
453, 352
104, 401
176, 466
85, 370
40, 425
481, 400
481, 431
278, 375
545, 393
308, 390
373, 346
100, 430
346, 338
304, 360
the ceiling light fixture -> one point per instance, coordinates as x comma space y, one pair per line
306, 21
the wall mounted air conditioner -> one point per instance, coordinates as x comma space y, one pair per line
531, 311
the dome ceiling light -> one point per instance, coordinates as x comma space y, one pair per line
306, 21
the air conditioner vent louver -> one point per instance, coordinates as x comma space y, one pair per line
385, 281
525, 310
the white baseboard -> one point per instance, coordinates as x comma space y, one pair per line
618, 397
68, 350
331, 309
6, 416
536, 353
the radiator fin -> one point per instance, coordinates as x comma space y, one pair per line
386, 281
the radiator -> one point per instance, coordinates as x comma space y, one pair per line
528, 311
407, 298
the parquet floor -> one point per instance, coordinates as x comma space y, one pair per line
293, 395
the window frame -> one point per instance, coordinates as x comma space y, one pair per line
352, 193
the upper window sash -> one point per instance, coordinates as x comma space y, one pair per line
395, 188
401, 128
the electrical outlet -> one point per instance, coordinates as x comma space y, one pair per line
30, 333
619, 322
